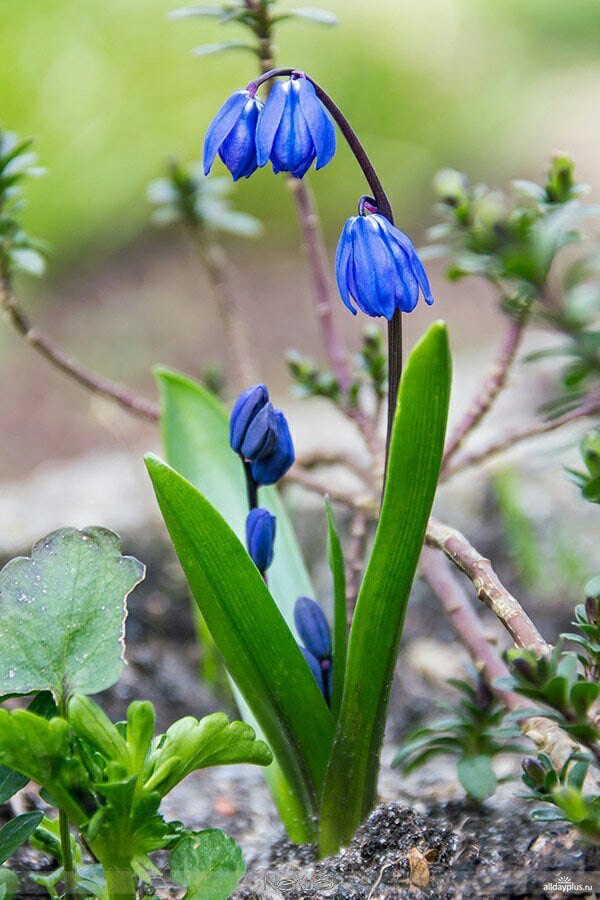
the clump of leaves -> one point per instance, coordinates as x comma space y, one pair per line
310, 380
200, 202
589, 482
474, 732
19, 252
564, 793
107, 780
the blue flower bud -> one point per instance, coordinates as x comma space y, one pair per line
315, 668
246, 408
232, 133
294, 128
260, 537
269, 469
261, 435
312, 627
377, 267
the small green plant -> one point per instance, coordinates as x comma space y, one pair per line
106, 780
589, 482
474, 731
564, 793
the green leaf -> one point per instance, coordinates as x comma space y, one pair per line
310, 14
335, 556
210, 865
9, 884
11, 782
14, 834
249, 631
221, 46
413, 471
68, 601
477, 776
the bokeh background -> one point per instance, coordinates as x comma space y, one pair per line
111, 88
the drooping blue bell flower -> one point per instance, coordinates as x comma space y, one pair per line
377, 266
270, 468
260, 537
312, 627
246, 408
294, 128
232, 134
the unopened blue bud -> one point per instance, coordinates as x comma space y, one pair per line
377, 267
246, 408
232, 134
312, 627
261, 435
260, 537
272, 467
315, 668
294, 128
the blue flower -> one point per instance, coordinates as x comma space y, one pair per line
268, 469
294, 128
232, 134
261, 435
312, 627
260, 537
315, 668
247, 406
377, 267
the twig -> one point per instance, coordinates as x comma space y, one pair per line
491, 387
365, 502
487, 584
53, 353
355, 560
438, 574
315, 459
528, 432
214, 260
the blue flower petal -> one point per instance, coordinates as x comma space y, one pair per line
417, 265
260, 537
374, 269
262, 435
221, 125
315, 668
246, 407
407, 286
272, 468
268, 122
312, 627
319, 122
342, 261
238, 150
293, 150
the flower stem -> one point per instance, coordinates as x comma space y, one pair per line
251, 486
69, 874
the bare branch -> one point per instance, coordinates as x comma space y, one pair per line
81, 374
589, 407
364, 502
487, 584
489, 390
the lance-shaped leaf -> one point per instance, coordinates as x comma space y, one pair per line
413, 471
14, 834
335, 557
257, 646
62, 614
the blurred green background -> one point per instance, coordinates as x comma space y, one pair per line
109, 88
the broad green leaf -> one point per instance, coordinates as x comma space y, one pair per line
210, 865
340, 639
195, 434
62, 614
477, 776
257, 646
413, 471
10, 781
9, 884
14, 834
41, 750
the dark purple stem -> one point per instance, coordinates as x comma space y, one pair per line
384, 208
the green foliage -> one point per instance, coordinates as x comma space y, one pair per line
589, 482
202, 203
474, 731
373, 360
310, 380
16, 832
335, 557
209, 863
69, 601
18, 251
517, 528
250, 633
564, 792
413, 470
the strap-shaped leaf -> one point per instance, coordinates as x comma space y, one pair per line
413, 472
14, 834
335, 556
256, 644
62, 614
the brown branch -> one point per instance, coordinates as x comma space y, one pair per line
55, 355
364, 502
490, 389
588, 408
546, 734
487, 584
